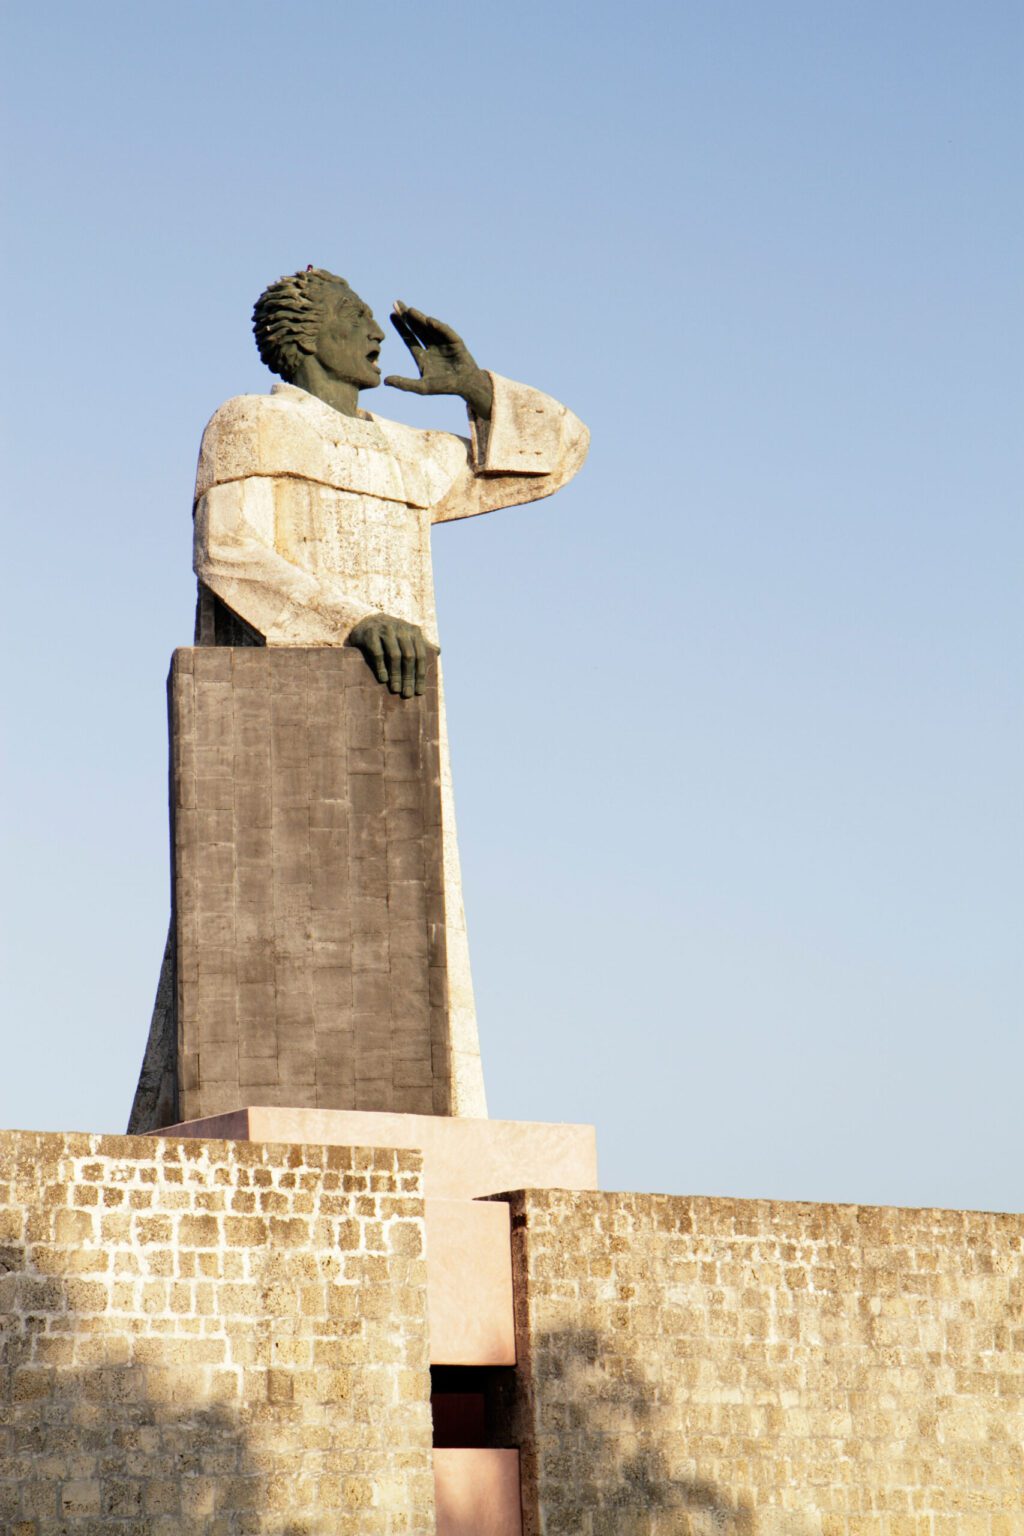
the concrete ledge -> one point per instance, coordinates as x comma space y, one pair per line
469, 1283
476, 1493
462, 1159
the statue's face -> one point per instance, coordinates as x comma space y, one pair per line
349, 343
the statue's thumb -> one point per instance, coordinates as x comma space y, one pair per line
414, 386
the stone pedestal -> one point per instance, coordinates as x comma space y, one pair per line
307, 959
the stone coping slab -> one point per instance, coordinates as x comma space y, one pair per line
462, 1159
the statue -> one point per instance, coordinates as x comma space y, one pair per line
313, 517
312, 530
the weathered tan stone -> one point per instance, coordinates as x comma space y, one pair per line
249, 1354
766, 1369
173, 1405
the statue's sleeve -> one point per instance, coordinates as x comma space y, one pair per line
234, 556
531, 447
234, 552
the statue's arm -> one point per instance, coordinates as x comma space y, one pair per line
529, 448
234, 556
525, 445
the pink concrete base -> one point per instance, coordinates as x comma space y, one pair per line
476, 1493
469, 1283
462, 1159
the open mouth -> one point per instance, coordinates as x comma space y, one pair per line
373, 355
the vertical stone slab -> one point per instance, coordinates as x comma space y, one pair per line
476, 1492
309, 932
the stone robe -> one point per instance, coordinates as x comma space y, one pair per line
307, 521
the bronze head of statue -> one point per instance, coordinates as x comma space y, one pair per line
314, 331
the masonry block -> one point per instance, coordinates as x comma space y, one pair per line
307, 964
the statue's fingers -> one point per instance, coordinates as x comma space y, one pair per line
406, 332
415, 319
408, 649
374, 653
444, 331
412, 386
428, 332
421, 663
393, 652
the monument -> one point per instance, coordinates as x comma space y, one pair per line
317, 1292
318, 953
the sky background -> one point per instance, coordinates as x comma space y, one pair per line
736, 717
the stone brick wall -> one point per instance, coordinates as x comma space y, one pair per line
211, 1337
708, 1367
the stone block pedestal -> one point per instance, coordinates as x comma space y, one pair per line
307, 964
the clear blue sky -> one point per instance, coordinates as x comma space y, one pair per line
736, 718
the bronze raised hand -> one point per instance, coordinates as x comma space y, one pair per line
446, 366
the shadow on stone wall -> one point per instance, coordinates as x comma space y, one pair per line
92, 1444
603, 1452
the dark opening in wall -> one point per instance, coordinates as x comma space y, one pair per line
467, 1405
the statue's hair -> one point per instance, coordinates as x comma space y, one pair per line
287, 315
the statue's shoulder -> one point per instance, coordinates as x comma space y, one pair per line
291, 433
279, 433
242, 412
